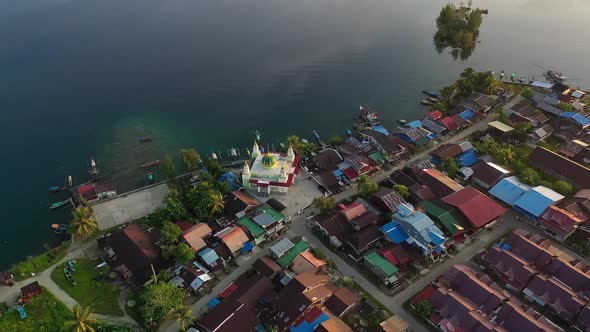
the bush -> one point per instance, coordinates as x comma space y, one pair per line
424, 308
563, 187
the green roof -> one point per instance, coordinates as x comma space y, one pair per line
381, 263
252, 227
377, 156
443, 216
286, 260
276, 216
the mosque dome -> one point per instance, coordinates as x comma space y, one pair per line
269, 161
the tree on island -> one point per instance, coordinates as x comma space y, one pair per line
365, 186
190, 158
324, 204
458, 28
470, 81
82, 321
402, 190
566, 107
160, 298
83, 222
183, 315
169, 168
170, 232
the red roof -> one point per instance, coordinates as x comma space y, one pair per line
448, 123
229, 290
350, 173
425, 294
435, 115
390, 256
559, 220
184, 225
477, 207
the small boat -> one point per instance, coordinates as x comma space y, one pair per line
56, 189
70, 181
434, 100
316, 135
58, 205
59, 228
214, 156
402, 122
150, 178
348, 132
430, 94
425, 102
258, 136
233, 153
144, 139
368, 115
151, 164
555, 76
304, 141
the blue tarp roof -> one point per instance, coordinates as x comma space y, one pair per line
536, 200
309, 327
579, 118
381, 129
414, 124
394, 232
509, 190
213, 303
506, 246
436, 238
208, 255
467, 158
338, 173
466, 114
248, 246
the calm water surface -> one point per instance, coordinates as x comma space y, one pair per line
87, 77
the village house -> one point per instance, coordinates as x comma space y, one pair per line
307, 262
210, 259
445, 215
478, 209
540, 134
559, 223
487, 174
235, 239
191, 277
386, 272
267, 267
196, 235
342, 301
388, 145
387, 200
548, 161
238, 204
440, 184
570, 125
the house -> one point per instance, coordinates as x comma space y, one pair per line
446, 216
433, 126
540, 134
445, 151
336, 228
267, 267
546, 160
361, 241
280, 248
30, 290
448, 123
360, 164
479, 209
326, 168
576, 150
417, 136
190, 278
333, 325
535, 200
394, 324
487, 174
195, 236
310, 321
133, 253
414, 227
500, 128
440, 184
357, 215
287, 259
387, 200
93, 192
234, 239
514, 271
570, 125
384, 143
210, 259
514, 316
307, 262
559, 223
509, 190
269, 219
238, 204
549, 292
583, 321
381, 268
484, 101
256, 232
455, 313
342, 301
459, 122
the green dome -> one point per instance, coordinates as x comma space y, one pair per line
269, 161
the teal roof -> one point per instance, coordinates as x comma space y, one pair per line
381, 263
251, 226
275, 215
286, 260
444, 216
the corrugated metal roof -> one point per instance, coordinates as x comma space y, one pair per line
208, 255
537, 199
509, 190
579, 118
501, 126
251, 226
281, 247
381, 263
287, 259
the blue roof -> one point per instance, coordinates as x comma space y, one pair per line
579, 118
506, 246
248, 246
509, 190
414, 124
309, 327
213, 303
381, 129
338, 173
232, 179
436, 238
208, 255
467, 158
536, 200
466, 114
394, 232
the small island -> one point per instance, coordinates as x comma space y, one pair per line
458, 28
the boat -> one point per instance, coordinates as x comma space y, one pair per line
94, 172
425, 102
233, 153
369, 116
348, 132
555, 76
70, 181
144, 139
434, 100
59, 228
214, 156
151, 164
258, 136
150, 178
56, 189
402, 122
316, 135
58, 205
430, 94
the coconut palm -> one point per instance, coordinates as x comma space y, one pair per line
216, 202
83, 222
83, 320
183, 315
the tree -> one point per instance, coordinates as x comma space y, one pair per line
563, 187
366, 187
523, 127
402, 190
175, 209
190, 158
170, 232
183, 315
169, 167
83, 222
565, 107
183, 253
424, 308
502, 117
529, 176
336, 140
324, 204
216, 202
527, 93
451, 166
159, 299
82, 321
299, 147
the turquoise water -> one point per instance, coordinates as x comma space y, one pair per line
81, 78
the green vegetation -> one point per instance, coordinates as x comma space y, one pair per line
469, 82
39, 263
90, 290
566, 107
44, 314
366, 186
318, 253
183, 315
324, 204
183, 253
169, 167
216, 202
458, 28
523, 127
527, 93
563, 187
170, 232
502, 117
402, 190
424, 308
579, 245
160, 298
190, 158
450, 166
336, 140
83, 320
299, 147
83, 222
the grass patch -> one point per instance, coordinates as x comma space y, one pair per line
101, 294
135, 311
44, 314
39, 263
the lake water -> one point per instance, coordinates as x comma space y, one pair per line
81, 78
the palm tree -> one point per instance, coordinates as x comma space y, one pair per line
190, 158
83, 222
83, 320
183, 315
216, 202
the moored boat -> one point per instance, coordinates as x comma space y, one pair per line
151, 164
58, 205
56, 189
430, 93
369, 116
144, 139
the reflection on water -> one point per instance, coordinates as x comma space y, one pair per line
458, 29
